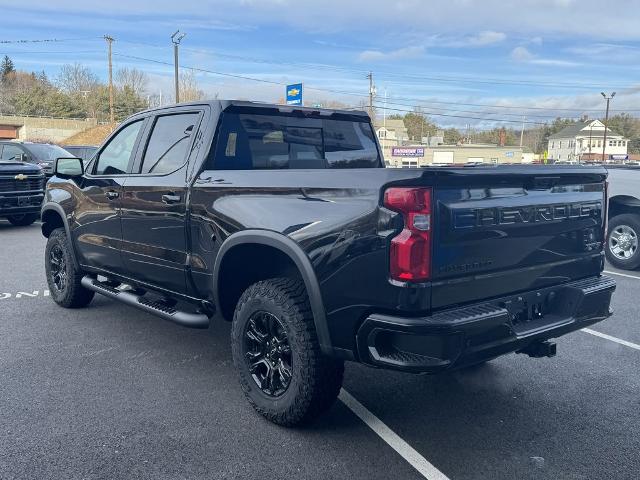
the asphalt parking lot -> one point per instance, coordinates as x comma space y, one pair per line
110, 392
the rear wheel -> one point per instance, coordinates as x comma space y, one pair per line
622, 248
275, 349
63, 276
23, 220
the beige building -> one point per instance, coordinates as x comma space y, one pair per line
391, 133
423, 156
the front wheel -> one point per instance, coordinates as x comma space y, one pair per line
23, 220
63, 276
283, 373
622, 242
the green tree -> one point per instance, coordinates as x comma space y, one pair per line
452, 136
6, 68
127, 102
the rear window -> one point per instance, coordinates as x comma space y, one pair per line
248, 141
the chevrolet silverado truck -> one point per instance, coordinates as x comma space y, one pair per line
21, 191
624, 217
284, 221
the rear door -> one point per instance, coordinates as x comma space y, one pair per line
154, 203
98, 230
515, 229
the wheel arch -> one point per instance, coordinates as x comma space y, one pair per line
53, 216
284, 249
620, 204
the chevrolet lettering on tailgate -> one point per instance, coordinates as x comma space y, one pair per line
486, 217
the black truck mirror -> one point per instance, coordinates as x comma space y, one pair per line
68, 167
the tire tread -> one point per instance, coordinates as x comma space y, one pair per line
323, 375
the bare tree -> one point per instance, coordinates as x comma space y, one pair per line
77, 79
132, 78
189, 88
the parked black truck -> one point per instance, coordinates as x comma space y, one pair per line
284, 221
21, 191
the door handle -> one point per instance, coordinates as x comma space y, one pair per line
170, 198
112, 194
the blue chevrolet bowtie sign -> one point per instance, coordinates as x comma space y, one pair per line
294, 94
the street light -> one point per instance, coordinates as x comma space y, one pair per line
606, 120
175, 38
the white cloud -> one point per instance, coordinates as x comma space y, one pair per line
399, 54
522, 54
487, 37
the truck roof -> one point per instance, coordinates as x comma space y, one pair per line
224, 104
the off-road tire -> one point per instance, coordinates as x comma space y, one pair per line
23, 220
73, 295
315, 379
632, 222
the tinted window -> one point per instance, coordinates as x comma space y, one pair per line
255, 141
114, 158
169, 143
10, 151
46, 152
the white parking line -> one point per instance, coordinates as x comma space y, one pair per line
621, 274
613, 339
406, 451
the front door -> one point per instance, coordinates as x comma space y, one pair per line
98, 230
154, 201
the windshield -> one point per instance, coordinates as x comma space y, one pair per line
46, 152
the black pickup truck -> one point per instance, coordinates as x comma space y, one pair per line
284, 221
21, 191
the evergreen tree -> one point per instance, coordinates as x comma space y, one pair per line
6, 67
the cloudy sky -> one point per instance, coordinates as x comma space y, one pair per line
462, 61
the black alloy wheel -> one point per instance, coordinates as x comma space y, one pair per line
64, 278
268, 353
58, 268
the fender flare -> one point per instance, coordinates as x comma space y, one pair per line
51, 206
301, 261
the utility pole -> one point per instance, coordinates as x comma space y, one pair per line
175, 38
522, 131
111, 114
606, 120
372, 92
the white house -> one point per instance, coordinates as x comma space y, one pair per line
583, 141
391, 132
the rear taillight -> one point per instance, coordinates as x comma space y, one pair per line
410, 253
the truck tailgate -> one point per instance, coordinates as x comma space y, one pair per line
500, 234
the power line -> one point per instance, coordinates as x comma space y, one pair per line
499, 120
418, 107
272, 82
47, 40
454, 79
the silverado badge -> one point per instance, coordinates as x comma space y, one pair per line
20, 176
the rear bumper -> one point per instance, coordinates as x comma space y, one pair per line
472, 334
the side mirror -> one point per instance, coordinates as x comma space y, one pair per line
68, 167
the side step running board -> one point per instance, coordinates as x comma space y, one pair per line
192, 320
